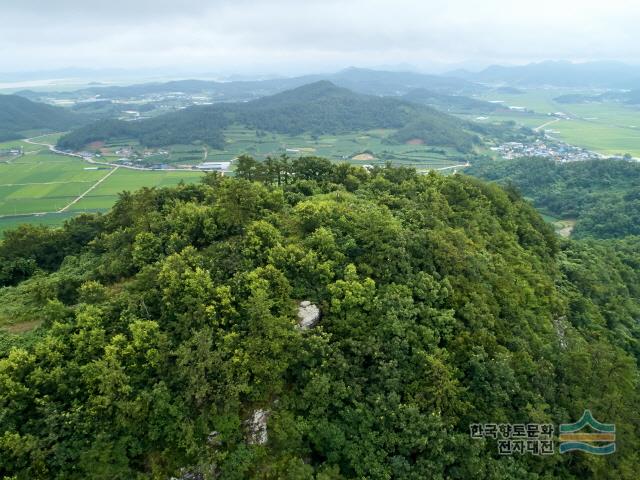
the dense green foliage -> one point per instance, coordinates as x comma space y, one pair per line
603, 195
324, 108
445, 301
319, 108
19, 115
31, 248
185, 126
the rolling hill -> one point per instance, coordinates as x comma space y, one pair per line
19, 115
373, 82
318, 108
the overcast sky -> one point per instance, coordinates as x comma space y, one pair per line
295, 36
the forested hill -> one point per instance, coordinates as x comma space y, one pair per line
320, 107
19, 115
169, 343
602, 195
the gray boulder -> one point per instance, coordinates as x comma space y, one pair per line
308, 315
256, 427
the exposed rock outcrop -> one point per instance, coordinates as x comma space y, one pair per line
257, 427
308, 315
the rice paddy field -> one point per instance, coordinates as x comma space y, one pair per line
42, 187
39, 186
358, 148
608, 128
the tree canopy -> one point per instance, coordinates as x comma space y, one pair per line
603, 195
445, 301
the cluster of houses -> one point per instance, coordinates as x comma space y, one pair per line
558, 151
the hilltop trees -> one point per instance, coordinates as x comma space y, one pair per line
445, 301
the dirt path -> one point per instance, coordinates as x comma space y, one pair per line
564, 228
462, 165
53, 149
64, 209
550, 122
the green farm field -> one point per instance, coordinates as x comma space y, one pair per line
40, 187
345, 147
607, 128
367, 147
36, 186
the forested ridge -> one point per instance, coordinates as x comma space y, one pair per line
317, 108
19, 115
603, 195
445, 301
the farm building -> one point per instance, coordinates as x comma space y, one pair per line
214, 166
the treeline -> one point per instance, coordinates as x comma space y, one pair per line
318, 108
444, 301
603, 195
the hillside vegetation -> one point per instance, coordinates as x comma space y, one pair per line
445, 301
19, 116
318, 108
603, 195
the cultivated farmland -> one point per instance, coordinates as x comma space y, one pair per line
610, 128
40, 186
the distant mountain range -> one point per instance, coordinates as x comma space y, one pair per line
371, 82
317, 108
561, 74
19, 116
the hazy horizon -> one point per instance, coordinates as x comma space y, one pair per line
283, 37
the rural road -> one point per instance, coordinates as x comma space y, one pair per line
53, 149
77, 199
462, 165
115, 166
537, 129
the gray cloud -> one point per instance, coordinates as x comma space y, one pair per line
252, 35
